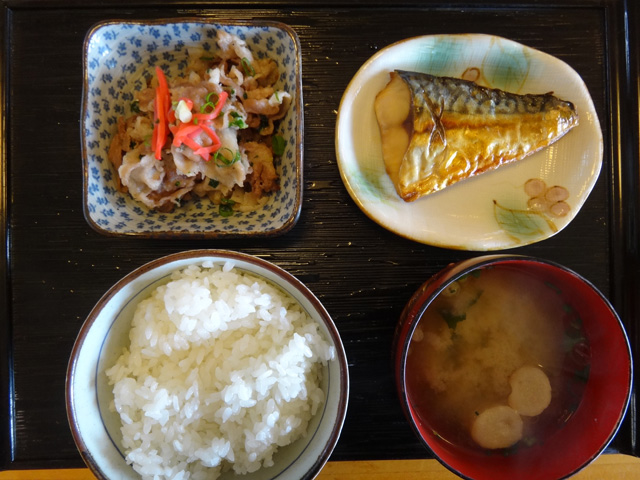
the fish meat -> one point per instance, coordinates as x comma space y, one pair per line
436, 131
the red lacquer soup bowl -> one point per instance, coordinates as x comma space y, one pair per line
467, 345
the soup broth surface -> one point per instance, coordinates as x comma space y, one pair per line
475, 335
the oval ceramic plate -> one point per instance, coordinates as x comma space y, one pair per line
492, 211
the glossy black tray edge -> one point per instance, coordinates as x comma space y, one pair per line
6, 392
624, 72
623, 51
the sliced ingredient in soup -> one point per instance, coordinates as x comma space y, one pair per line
497, 427
491, 363
530, 391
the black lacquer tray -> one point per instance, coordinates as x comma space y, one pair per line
56, 266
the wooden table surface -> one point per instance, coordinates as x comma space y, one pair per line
605, 467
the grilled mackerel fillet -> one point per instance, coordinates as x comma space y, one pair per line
436, 131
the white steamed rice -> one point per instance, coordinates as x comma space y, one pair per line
223, 369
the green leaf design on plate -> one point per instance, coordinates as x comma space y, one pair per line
370, 182
439, 56
506, 66
522, 223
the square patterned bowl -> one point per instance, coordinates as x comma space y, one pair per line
118, 56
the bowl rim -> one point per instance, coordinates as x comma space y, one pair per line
298, 166
455, 271
221, 255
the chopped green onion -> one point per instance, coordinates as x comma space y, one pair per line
213, 183
208, 98
209, 103
222, 161
246, 66
135, 106
237, 121
225, 210
226, 207
278, 143
204, 58
264, 122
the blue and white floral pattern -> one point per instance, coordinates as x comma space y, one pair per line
118, 57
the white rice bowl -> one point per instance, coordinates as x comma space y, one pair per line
222, 370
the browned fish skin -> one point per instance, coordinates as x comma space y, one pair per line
453, 129
469, 98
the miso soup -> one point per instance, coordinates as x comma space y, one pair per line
498, 361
